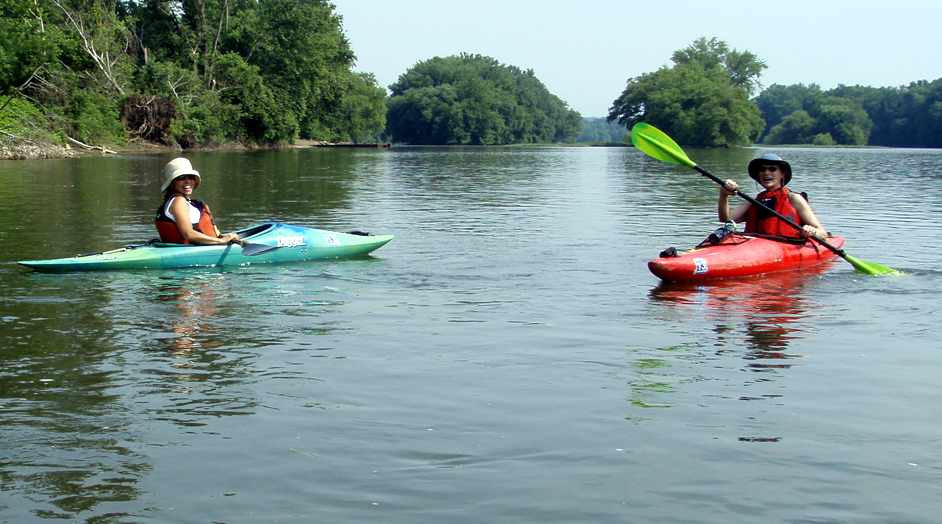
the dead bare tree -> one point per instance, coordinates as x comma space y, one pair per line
102, 59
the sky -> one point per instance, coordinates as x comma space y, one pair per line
584, 51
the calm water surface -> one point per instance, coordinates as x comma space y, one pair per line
508, 358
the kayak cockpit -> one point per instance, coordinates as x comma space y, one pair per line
244, 234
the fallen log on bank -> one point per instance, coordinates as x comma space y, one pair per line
90, 148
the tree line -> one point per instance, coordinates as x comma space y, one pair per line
203, 72
907, 116
190, 72
706, 99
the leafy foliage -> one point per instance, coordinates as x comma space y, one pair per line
25, 43
801, 114
474, 99
703, 98
263, 72
93, 117
905, 116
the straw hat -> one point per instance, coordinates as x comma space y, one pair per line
177, 168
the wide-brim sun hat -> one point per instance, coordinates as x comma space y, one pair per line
176, 168
769, 159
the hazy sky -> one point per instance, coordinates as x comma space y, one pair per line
584, 51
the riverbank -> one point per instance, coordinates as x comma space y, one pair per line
21, 149
30, 150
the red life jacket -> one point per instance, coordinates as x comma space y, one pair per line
168, 230
760, 221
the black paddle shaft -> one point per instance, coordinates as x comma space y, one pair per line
755, 202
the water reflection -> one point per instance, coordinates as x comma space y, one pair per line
770, 305
65, 429
192, 326
750, 319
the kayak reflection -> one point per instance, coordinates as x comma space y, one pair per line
769, 304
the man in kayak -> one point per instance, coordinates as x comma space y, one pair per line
180, 219
773, 174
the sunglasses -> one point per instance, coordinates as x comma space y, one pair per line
186, 177
768, 168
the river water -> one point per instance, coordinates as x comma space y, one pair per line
507, 358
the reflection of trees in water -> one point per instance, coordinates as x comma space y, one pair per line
88, 360
63, 424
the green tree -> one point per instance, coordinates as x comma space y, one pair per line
474, 99
796, 128
743, 67
362, 113
27, 43
902, 116
213, 70
778, 101
703, 99
300, 49
844, 120
798, 114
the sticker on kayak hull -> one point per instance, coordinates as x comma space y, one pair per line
700, 266
291, 241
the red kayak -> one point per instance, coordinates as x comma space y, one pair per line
740, 255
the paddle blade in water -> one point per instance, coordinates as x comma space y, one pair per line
870, 268
656, 144
250, 250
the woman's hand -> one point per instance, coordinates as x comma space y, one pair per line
229, 238
809, 231
730, 187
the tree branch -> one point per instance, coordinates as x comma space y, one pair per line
102, 60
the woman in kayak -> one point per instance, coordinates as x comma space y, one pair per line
773, 174
180, 219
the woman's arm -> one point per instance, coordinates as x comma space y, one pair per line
179, 208
811, 226
722, 206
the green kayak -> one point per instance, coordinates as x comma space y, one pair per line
272, 243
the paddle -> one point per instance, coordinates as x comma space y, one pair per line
656, 144
250, 250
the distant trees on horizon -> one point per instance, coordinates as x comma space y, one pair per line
704, 100
907, 116
474, 99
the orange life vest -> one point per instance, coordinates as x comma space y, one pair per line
758, 220
168, 230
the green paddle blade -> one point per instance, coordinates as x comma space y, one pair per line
870, 268
656, 144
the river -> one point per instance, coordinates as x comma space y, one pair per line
507, 358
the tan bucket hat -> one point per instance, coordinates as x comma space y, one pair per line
177, 168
